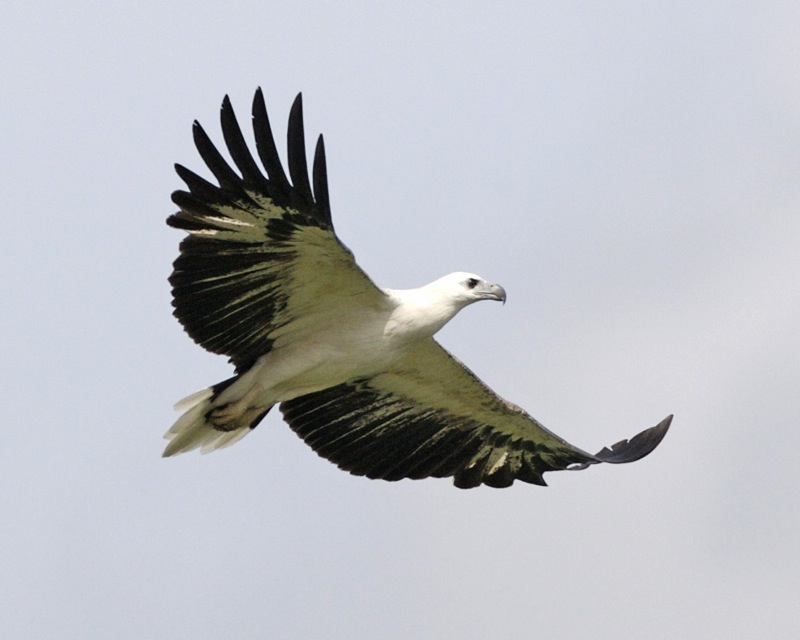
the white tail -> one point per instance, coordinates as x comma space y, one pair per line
193, 430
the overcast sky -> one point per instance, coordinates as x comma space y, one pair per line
629, 172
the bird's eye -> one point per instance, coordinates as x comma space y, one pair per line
472, 283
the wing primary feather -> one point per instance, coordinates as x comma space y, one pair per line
637, 447
222, 171
320, 177
295, 137
238, 148
197, 184
191, 207
201, 191
266, 149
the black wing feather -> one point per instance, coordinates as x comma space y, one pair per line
222, 171
237, 147
320, 177
296, 147
268, 152
238, 268
370, 433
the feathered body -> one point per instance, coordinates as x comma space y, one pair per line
331, 346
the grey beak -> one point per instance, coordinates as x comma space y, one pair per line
496, 292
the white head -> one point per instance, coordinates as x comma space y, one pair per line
425, 310
465, 288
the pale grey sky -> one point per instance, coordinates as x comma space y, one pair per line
630, 174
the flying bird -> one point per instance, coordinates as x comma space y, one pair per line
263, 278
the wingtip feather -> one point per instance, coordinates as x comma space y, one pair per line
638, 446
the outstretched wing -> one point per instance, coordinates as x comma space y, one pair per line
431, 416
261, 250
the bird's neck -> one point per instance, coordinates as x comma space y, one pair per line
419, 313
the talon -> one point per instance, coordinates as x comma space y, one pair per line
223, 418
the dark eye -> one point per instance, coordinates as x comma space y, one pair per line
472, 283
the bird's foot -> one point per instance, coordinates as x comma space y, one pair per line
226, 417
235, 415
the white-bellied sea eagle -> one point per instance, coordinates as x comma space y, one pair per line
263, 278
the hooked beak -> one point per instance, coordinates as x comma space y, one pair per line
495, 292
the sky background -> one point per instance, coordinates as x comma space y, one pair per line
629, 172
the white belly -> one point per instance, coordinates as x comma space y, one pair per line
301, 364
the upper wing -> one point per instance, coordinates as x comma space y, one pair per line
261, 250
432, 416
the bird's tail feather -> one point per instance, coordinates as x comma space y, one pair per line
193, 429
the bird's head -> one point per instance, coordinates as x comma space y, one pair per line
425, 310
466, 288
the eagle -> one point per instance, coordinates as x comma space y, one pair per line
262, 278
